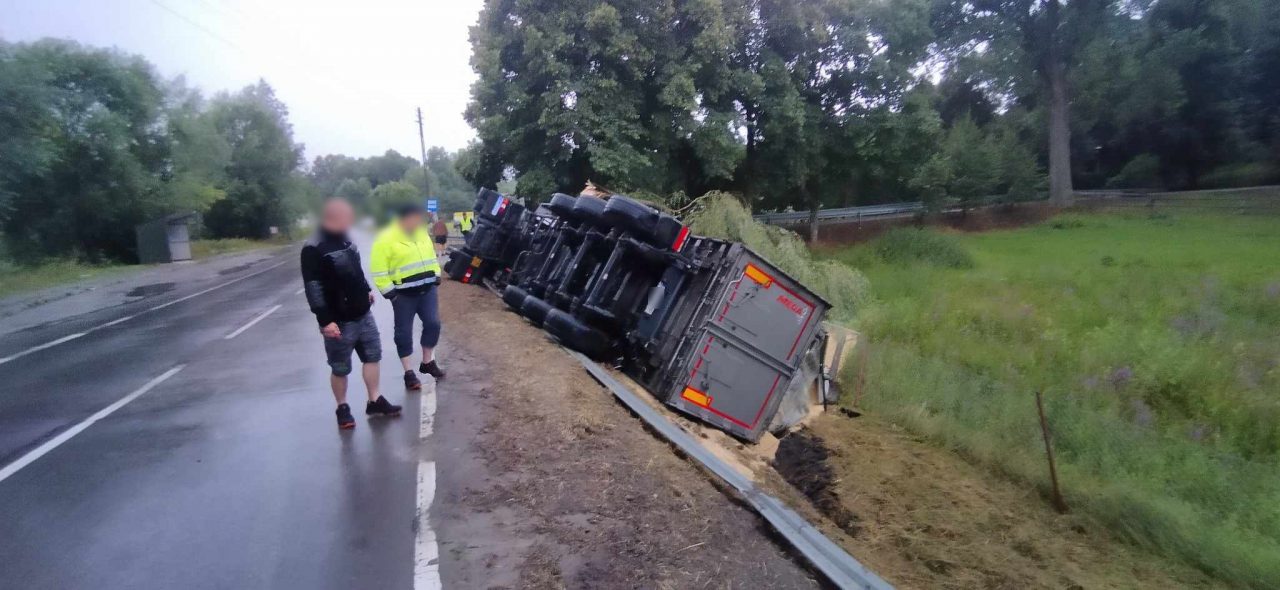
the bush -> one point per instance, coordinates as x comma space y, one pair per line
721, 215
910, 245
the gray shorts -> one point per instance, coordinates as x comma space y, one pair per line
360, 335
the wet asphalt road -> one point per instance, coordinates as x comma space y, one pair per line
229, 473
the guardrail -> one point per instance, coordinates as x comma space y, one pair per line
1247, 199
844, 213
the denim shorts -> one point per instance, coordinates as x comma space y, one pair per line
359, 335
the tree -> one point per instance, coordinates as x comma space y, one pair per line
83, 151
356, 191
260, 188
199, 153
391, 195
1032, 46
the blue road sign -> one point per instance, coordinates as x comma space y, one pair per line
433, 205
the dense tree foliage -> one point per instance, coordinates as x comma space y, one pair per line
93, 143
358, 179
804, 103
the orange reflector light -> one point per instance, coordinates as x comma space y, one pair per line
754, 273
475, 261
697, 397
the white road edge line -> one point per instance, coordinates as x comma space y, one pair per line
67, 338
69, 433
261, 316
426, 563
299, 291
71, 337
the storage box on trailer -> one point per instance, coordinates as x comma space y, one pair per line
743, 332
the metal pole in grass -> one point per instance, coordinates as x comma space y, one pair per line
1059, 503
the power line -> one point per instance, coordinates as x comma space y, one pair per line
197, 25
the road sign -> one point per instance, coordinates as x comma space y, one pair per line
433, 205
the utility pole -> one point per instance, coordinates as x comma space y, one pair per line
422, 140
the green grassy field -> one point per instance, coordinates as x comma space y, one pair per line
1156, 342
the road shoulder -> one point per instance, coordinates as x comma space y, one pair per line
547, 481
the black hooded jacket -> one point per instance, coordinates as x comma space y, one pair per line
332, 279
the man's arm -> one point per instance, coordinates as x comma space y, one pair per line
380, 268
313, 285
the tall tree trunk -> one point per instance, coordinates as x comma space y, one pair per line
1061, 192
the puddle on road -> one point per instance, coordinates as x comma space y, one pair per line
235, 269
802, 461
150, 290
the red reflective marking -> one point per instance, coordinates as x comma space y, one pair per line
683, 235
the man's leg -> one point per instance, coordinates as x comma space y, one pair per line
338, 351
369, 350
338, 383
404, 306
370, 373
429, 311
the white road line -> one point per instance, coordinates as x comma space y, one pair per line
299, 291
69, 433
427, 426
71, 337
118, 321
261, 316
52, 344
426, 562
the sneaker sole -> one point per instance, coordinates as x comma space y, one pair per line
381, 415
347, 426
414, 387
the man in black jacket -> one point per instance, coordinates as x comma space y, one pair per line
341, 298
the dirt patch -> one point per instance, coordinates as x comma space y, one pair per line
236, 269
802, 462
928, 519
150, 290
569, 483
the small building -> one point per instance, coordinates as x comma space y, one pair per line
167, 239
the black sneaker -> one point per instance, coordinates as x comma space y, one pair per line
432, 369
345, 420
381, 407
411, 381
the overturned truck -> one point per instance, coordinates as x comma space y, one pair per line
705, 325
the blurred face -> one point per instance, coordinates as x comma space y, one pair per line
337, 216
411, 222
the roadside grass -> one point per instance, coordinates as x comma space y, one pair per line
1156, 341
201, 249
15, 278
20, 279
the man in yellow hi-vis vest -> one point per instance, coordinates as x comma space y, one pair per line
405, 270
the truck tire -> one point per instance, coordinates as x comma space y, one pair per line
486, 201
514, 297
459, 261
588, 209
632, 216
535, 310
562, 205
575, 334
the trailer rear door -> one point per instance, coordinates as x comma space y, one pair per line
766, 309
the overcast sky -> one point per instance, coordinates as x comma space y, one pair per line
352, 73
